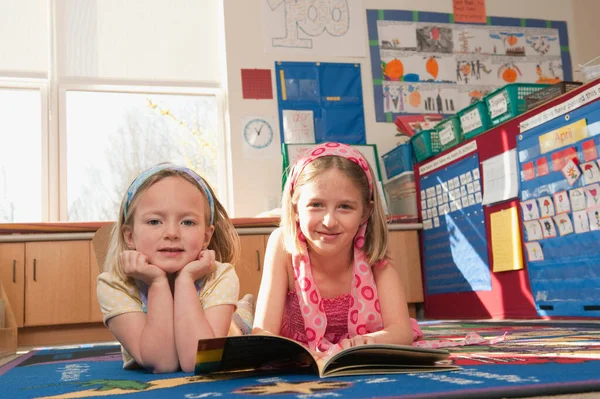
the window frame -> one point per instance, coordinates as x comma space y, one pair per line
223, 145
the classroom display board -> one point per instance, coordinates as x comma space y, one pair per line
560, 207
455, 247
320, 102
423, 62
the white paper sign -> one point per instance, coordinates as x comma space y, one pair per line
446, 135
298, 126
497, 105
470, 121
500, 179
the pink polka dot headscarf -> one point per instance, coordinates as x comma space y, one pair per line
364, 314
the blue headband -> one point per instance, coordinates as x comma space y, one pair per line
141, 179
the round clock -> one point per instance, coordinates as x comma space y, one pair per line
258, 133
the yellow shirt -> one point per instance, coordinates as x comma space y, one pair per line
117, 297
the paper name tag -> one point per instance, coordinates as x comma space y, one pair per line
497, 105
470, 121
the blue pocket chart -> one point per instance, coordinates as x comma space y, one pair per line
332, 91
455, 247
567, 281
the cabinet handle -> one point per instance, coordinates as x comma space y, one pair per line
34, 270
258, 261
14, 271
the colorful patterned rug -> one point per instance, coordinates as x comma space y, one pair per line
537, 358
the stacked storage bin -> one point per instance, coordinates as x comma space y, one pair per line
401, 194
474, 119
509, 101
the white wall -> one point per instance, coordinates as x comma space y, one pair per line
257, 183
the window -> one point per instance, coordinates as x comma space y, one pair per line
93, 92
112, 136
20, 155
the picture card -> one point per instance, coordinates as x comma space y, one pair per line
594, 218
577, 198
563, 223
534, 251
530, 210
561, 202
533, 229
548, 228
580, 222
546, 206
528, 171
571, 171
592, 195
591, 172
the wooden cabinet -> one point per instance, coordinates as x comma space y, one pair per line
47, 282
12, 275
404, 251
249, 269
57, 286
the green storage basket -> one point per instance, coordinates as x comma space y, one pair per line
474, 119
509, 101
449, 132
425, 144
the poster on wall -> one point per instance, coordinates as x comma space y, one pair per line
322, 28
423, 62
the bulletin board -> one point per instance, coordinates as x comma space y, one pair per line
560, 204
423, 62
328, 94
455, 246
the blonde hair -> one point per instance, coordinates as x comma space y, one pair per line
376, 236
224, 241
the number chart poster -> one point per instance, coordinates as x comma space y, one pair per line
455, 247
423, 62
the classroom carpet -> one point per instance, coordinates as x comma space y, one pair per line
535, 358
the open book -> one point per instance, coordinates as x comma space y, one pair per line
271, 353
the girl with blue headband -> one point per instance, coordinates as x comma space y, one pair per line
168, 278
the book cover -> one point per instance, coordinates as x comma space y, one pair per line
271, 353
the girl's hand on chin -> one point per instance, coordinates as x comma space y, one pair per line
135, 265
203, 266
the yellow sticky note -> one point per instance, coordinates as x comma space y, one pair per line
506, 240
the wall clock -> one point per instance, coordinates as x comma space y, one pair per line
258, 133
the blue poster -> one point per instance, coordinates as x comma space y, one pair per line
332, 91
455, 247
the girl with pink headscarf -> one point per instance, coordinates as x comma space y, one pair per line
327, 280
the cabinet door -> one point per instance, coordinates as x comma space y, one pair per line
249, 269
57, 282
95, 313
404, 251
12, 275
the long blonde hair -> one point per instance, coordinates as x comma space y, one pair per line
376, 236
225, 240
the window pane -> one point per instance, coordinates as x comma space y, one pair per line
112, 137
20, 156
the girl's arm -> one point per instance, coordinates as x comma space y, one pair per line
394, 310
149, 338
273, 287
192, 322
